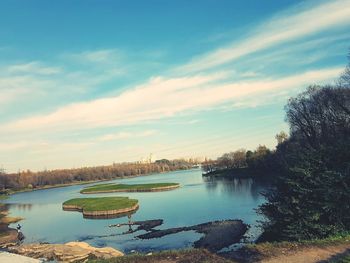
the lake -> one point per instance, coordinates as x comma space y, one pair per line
198, 200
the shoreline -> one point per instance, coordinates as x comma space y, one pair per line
9, 235
12, 192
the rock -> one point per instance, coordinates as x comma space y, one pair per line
69, 252
217, 234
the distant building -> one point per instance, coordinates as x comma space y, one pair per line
150, 159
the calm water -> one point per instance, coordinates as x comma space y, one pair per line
199, 200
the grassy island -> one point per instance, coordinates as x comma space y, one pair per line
101, 207
109, 188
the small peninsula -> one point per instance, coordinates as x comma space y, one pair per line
102, 206
110, 188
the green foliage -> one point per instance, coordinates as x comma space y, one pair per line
260, 160
102, 203
125, 187
240, 163
3, 197
311, 196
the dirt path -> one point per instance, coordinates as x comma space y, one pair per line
310, 254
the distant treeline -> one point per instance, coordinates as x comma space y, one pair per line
259, 162
28, 179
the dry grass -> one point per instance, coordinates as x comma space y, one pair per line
176, 256
11, 220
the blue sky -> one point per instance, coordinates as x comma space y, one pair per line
94, 82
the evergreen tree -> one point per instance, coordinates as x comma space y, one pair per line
311, 196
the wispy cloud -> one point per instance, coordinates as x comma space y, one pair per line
8, 96
126, 135
96, 56
161, 98
15, 88
34, 67
302, 21
47, 82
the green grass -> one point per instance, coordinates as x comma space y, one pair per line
3, 197
125, 187
270, 249
102, 203
180, 256
341, 238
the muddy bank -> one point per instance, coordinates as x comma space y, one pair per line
8, 236
69, 252
217, 234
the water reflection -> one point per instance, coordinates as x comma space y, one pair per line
242, 187
120, 215
198, 200
21, 207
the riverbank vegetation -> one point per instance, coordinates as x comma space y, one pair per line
27, 180
309, 170
333, 249
258, 163
172, 256
101, 206
110, 188
311, 195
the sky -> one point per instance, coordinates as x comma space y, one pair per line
92, 82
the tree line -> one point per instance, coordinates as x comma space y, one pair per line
311, 194
258, 162
29, 179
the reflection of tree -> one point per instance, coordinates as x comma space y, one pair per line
23, 207
211, 183
234, 186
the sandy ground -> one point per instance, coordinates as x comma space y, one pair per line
6, 257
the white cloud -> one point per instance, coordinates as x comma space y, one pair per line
282, 28
8, 96
162, 98
21, 87
34, 67
126, 135
96, 56
38, 83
